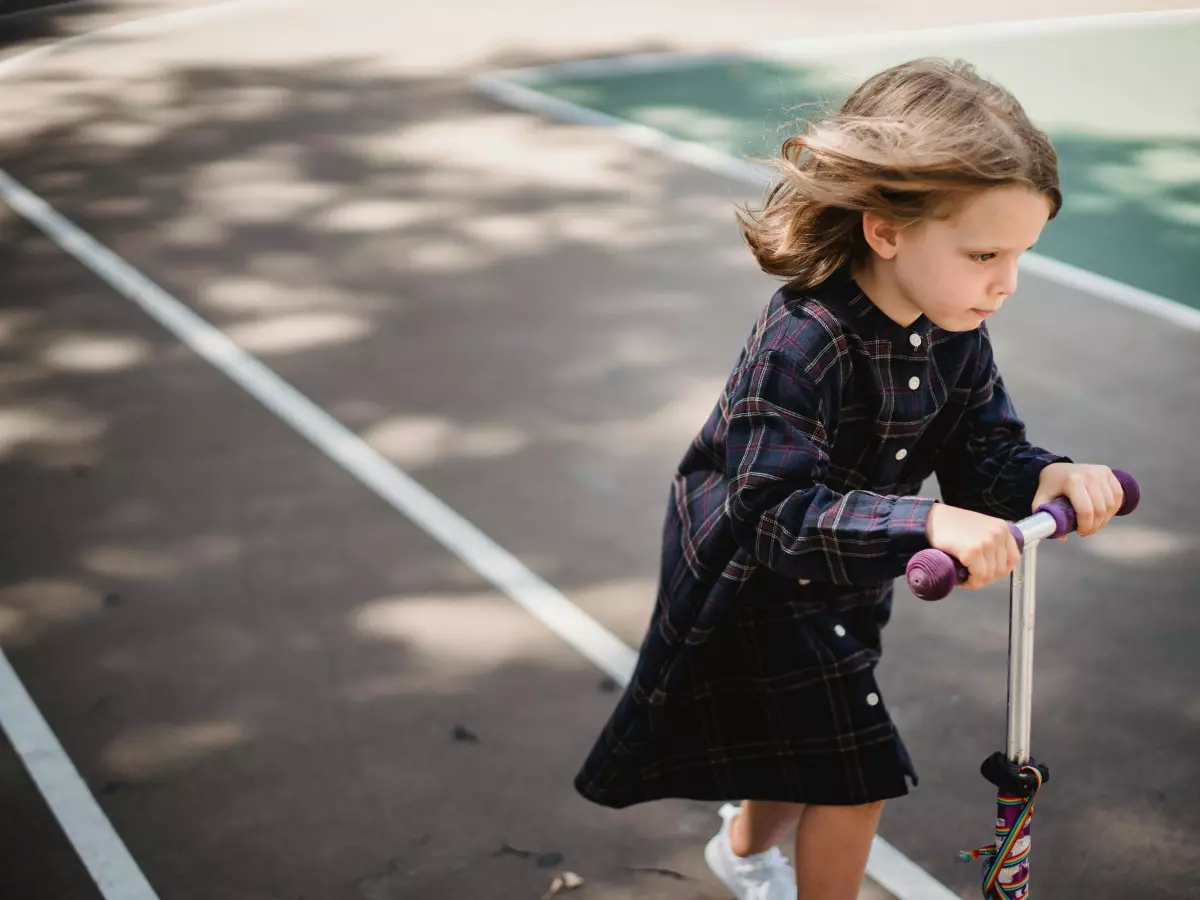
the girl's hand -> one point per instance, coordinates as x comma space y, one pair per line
1093, 491
981, 543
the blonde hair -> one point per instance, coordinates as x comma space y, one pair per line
908, 144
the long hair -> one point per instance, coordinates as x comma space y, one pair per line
908, 144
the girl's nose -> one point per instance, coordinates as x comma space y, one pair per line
1007, 283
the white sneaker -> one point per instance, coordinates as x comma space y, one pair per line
761, 876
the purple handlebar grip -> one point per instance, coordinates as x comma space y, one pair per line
1018, 536
1132, 492
933, 574
1064, 516
1060, 510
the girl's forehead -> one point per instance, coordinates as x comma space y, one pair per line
1002, 216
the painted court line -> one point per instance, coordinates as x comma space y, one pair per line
441, 522
346, 448
500, 88
697, 154
666, 61
96, 843
87, 828
143, 27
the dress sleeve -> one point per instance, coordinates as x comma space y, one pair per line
780, 420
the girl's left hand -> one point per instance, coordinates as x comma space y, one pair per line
1094, 492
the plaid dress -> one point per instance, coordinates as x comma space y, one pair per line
790, 515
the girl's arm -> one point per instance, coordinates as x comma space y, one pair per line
987, 465
776, 460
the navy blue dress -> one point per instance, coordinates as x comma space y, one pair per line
789, 517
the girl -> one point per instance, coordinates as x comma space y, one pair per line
897, 225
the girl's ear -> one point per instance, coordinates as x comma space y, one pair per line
881, 234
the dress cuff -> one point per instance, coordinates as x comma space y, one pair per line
906, 526
1031, 475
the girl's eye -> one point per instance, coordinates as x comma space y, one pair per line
983, 257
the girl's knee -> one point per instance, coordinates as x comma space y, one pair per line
761, 824
768, 816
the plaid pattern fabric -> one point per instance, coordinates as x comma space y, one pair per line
790, 515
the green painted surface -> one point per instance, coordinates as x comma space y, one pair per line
1123, 109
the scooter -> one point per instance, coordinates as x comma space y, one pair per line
932, 575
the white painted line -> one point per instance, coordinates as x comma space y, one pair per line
97, 844
898, 874
147, 26
458, 535
709, 158
988, 31
1113, 290
696, 154
92, 835
666, 61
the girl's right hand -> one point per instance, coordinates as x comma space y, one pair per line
981, 543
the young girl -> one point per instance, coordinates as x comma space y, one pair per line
897, 224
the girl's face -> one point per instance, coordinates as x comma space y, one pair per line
959, 270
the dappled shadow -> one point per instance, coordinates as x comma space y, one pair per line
258, 665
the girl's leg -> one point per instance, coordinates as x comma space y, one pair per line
761, 825
832, 845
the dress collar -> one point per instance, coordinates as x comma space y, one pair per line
868, 320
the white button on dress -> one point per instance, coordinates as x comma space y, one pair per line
914, 382
914, 339
872, 699
901, 453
